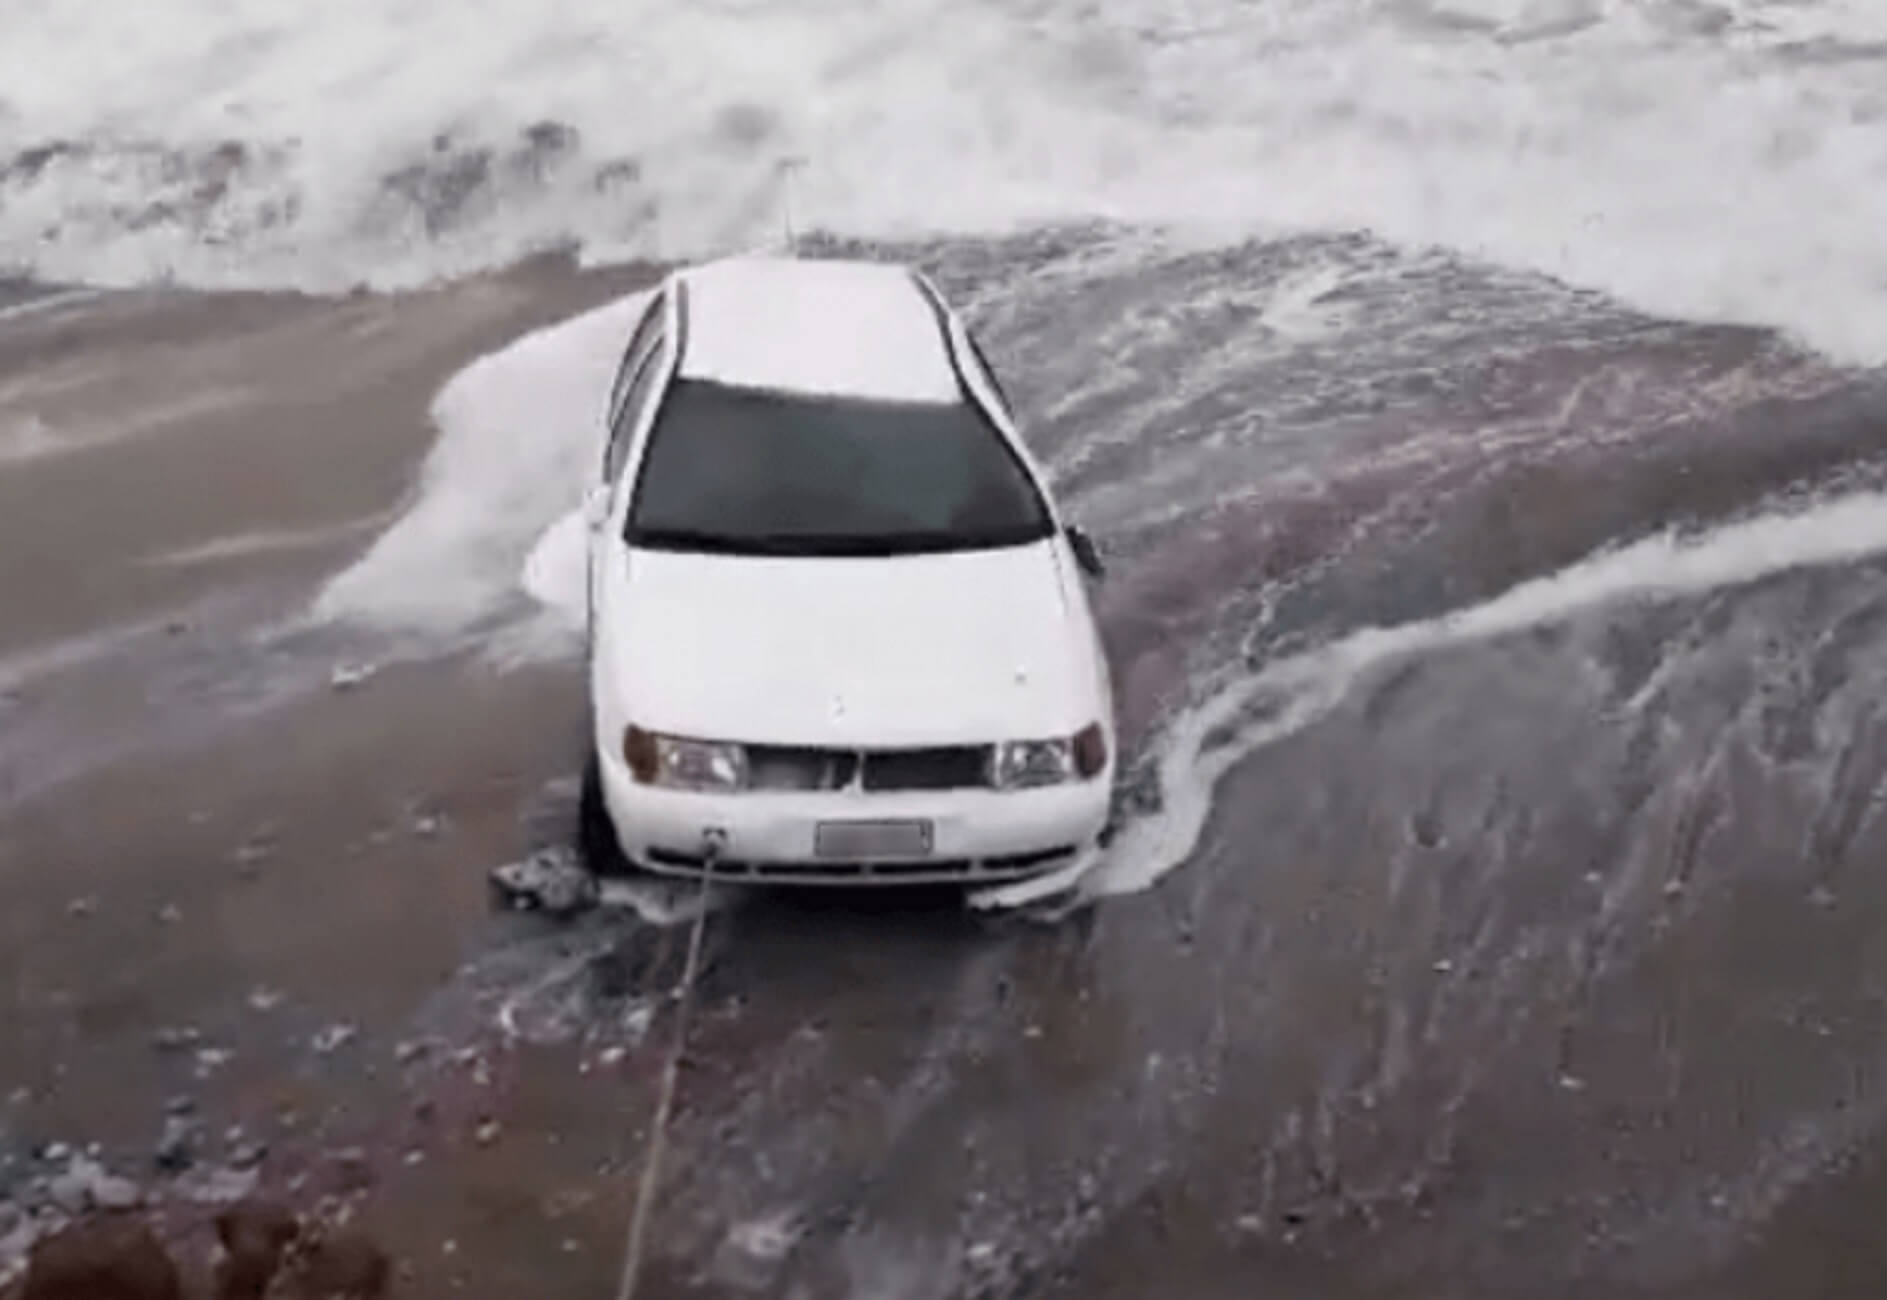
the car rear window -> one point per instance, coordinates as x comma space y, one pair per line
741, 470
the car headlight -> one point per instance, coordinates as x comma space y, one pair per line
1028, 764
678, 763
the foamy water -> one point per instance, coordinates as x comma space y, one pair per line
1725, 161
521, 435
1208, 740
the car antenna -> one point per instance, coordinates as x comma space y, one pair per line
786, 167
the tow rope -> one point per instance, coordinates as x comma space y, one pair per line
671, 1070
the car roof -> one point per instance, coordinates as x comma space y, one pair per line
831, 327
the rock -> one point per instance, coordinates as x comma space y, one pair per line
225, 1186
55, 1153
71, 1191
212, 1059
334, 1038
428, 825
488, 1132
176, 1146
552, 881
249, 1156
178, 1038
84, 1185
102, 1259
110, 1193
408, 1052
181, 1104
255, 1235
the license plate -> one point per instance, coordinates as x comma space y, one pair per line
865, 841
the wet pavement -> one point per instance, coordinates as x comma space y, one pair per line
1489, 944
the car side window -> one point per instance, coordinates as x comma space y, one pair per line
637, 395
645, 343
644, 334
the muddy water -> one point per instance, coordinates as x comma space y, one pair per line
1525, 942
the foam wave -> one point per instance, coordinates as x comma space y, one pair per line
1286, 696
1720, 161
520, 435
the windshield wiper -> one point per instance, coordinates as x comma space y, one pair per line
695, 539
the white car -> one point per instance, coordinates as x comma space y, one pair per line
838, 631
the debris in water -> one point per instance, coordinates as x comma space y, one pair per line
212, 1059
334, 1038
1821, 896
181, 1104
116, 1194
610, 1057
80, 908
408, 1052
551, 880
169, 914
1572, 1083
55, 1153
85, 1186
175, 1146
264, 999
428, 825
224, 1186
1444, 967
1249, 1224
637, 1019
347, 676
178, 1038
249, 1156
413, 1159
488, 1132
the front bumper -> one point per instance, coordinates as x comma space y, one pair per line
978, 836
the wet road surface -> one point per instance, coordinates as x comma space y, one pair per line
1526, 945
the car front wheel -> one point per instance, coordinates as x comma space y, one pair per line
596, 832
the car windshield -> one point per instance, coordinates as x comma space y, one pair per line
744, 471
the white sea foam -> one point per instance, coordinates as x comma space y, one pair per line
1723, 161
1206, 741
520, 435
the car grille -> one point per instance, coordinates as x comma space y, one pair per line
928, 870
959, 767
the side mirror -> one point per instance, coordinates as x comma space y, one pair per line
596, 507
1087, 554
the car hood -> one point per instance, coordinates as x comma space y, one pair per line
882, 652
